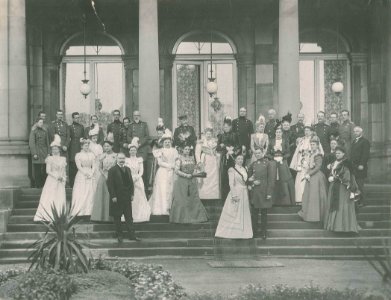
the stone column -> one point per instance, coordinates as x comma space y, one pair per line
246, 83
288, 58
4, 70
388, 77
131, 88
166, 62
13, 94
149, 61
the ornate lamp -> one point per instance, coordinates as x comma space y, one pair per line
85, 88
211, 86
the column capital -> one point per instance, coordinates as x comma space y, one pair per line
245, 59
358, 58
130, 61
166, 61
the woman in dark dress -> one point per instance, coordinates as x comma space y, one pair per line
227, 142
342, 214
278, 152
186, 204
288, 135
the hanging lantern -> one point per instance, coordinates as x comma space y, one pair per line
85, 88
211, 87
337, 87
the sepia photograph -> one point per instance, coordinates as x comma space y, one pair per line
195, 149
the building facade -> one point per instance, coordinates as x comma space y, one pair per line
156, 56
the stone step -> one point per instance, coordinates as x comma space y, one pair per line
161, 242
379, 216
272, 233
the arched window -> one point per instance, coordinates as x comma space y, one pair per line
105, 71
191, 71
323, 60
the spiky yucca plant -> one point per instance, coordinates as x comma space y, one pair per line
59, 247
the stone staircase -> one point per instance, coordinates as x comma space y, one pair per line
288, 235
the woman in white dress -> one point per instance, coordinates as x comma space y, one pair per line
97, 150
300, 161
161, 197
85, 182
235, 219
259, 139
141, 211
53, 192
209, 160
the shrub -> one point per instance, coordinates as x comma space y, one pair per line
42, 284
11, 273
149, 281
62, 251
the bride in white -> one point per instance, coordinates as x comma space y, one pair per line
161, 197
235, 219
209, 160
300, 161
141, 211
53, 192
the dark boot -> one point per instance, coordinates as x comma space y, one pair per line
129, 225
118, 228
254, 220
264, 223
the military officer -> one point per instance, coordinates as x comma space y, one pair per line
298, 128
262, 176
60, 127
41, 115
76, 132
271, 124
139, 129
346, 130
322, 130
334, 126
115, 128
123, 136
39, 147
243, 128
184, 134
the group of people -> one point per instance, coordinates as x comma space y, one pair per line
321, 167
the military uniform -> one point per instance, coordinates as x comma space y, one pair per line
123, 140
265, 172
39, 145
184, 134
62, 129
76, 132
322, 130
270, 128
243, 128
115, 127
298, 130
334, 131
346, 134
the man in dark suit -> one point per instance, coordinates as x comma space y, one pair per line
123, 136
121, 190
76, 132
270, 127
298, 128
359, 155
243, 128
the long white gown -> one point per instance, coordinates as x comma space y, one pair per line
84, 188
161, 198
98, 151
235, 219
141, 211
53, 192
300, 163
205, 153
